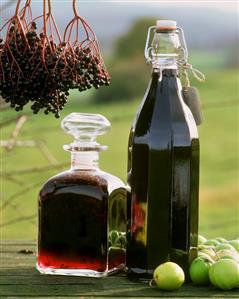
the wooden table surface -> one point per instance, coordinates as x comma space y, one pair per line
19, 278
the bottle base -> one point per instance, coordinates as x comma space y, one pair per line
78, 272
140, 275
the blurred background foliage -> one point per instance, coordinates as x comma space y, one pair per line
122, 30
129, 71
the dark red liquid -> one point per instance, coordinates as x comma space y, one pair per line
116, 257
73, 213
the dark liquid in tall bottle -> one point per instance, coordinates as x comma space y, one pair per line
163, 175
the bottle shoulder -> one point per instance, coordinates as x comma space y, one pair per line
164, 110
95, 179
77, 176
113, 181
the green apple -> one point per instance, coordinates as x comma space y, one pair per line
199, 270
221, 240
201, 239
121, 242
204, 255
211, 252
211, 242
224, 274
169, 276
113, 236
202, 246
228, 254
235, 244
225, 246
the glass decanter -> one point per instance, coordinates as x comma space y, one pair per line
82, 211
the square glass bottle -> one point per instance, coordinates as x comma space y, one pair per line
82, 211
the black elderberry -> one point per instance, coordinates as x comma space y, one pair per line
45, 82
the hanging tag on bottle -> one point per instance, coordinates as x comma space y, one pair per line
192, 99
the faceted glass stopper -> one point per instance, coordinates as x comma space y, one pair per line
85, 128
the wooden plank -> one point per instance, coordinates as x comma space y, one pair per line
119, 286
6, 242
15, 247
103, 290
98, 297
19, 278
36, 278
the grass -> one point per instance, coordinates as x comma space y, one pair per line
219, 206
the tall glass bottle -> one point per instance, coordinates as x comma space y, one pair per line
82, 211
163, 166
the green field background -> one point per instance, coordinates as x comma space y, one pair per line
219, 205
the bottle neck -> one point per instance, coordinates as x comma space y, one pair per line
165, 50
165, 82
165, 73
85, 160
166, 63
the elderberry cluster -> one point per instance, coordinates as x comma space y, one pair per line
36, 70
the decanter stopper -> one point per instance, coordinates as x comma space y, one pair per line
85, 128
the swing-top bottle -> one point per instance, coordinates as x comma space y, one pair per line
163, 164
